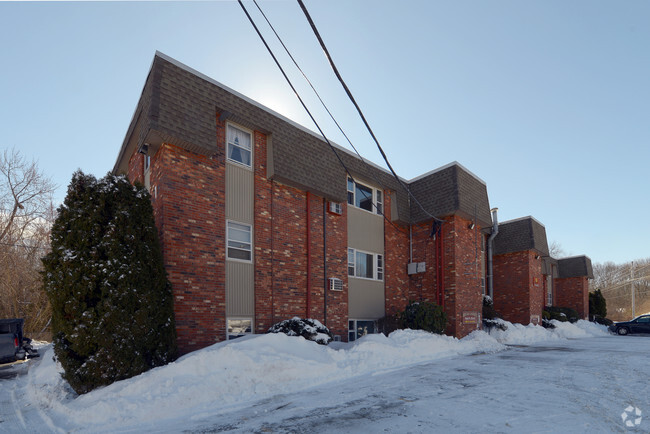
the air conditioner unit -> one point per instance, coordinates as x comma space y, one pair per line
336, 208
336, 284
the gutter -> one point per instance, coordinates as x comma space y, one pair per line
490, 248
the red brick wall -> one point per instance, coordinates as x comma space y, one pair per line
396, 257
573, 292
282, 231
188, 211
463, 298
518, 286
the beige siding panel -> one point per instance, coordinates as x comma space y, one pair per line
240, 282
365, 299
365, 230
239, 194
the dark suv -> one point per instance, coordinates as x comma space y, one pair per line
640, 324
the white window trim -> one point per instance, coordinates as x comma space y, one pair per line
377, 207
356, 320
251, 319
375, 266
246, 130
227, 247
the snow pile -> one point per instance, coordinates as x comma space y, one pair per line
211, 380
233, 374
518, 334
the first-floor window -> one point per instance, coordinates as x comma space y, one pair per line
238, 327
239, 241
365, 265
358, 328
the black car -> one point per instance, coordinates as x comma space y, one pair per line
640, 324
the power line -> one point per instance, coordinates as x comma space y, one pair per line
363, 118
308, 111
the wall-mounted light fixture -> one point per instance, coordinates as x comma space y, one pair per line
471, 225
537, 256
143, 149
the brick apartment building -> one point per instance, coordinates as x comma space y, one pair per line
527, 278
259, 222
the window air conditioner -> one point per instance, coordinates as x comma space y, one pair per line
336, 284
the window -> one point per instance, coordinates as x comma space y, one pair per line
239, 241
549, 290
362, 196
239, 145
358, 328
365, 265
147, 162
238, 327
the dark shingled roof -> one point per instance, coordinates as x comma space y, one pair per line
179, 105
452, 189
576, 266
520, 235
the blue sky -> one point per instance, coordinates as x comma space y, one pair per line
547, 101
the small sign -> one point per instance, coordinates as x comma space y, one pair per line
470, 317
534, 319
536, 281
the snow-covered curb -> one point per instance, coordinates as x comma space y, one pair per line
237, 372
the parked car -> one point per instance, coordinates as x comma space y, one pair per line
640, 324
13, 345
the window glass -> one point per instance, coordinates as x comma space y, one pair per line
365, 328
363, 197
380, 267
239, 146
380, 202
350, 262
239, 241
239, 327
363, 265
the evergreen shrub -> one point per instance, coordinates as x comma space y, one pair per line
112, 313
424, 315
310, 329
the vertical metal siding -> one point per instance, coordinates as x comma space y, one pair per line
365, 230
240, 284
365, 299
240, 276
239, 194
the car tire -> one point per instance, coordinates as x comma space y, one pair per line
623, 331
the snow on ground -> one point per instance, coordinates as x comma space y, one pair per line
231, 376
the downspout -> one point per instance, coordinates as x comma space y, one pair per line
308, 257
272, 254
441, 302
495, 231
325, 262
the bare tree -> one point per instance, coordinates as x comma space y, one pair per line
26, 214
556, 250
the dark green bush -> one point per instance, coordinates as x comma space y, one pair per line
424, 315
597, 304
488, 309
310, 329
112, 313
389, 324
604, 321
562, 314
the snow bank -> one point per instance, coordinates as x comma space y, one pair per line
517, 334
234, 373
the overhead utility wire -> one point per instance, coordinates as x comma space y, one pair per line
363, 118
319, 98
307, 110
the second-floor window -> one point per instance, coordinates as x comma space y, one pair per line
365, 265
239, 145
365, 197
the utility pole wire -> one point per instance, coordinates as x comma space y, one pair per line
309, 112
363, 118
